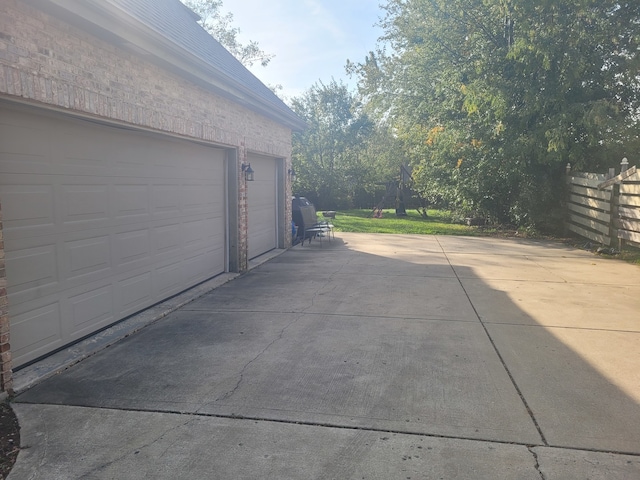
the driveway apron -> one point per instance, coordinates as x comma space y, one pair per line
367, 356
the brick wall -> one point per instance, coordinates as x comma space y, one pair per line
44, 61
243, 212
288, 238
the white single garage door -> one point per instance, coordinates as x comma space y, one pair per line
100, 223
262, 202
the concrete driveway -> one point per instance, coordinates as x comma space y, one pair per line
367, 357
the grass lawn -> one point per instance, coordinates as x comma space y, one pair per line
438, 223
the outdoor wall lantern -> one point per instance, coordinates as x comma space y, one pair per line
292, 174
248, 172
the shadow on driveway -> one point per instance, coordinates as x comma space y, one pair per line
371, 356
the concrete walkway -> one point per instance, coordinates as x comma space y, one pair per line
367, 357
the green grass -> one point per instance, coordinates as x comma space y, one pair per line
438, 223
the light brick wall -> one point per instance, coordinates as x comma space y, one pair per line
243, 212
288, 238
47, 62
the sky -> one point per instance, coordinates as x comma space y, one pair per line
311, 39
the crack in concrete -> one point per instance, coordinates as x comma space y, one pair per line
327, 283
537, 462
44, 454
231, 392
547, 269
104, 466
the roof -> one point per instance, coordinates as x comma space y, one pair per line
168, 31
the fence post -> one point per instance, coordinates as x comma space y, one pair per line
615, 207
614, 223
624, 166
613, 226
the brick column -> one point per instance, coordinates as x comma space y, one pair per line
243, 213
6, 382
287, 203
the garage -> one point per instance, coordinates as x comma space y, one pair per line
262, 204
100, 222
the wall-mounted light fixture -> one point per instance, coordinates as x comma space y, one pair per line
248, 172
292, 174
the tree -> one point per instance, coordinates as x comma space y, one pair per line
220, 27
491, 98
328, 155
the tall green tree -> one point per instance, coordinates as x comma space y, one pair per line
220, 26
328, 156
491, 98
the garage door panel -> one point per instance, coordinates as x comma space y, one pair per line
165, 201
196, 268
19, 153
204, 167
87, 259
201, 233
194, 198
134, 293
131, 248
100, 223
264, 215
16, 138
91, 310
11, 163
34, 273
92, 150
200, 198
194, 235
266, 238
168, 279
27, 206
84, 203
167, 238
262, 201
133, 152
131, 202
36, 332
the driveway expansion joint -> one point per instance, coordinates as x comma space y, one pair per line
500, 357
233, 416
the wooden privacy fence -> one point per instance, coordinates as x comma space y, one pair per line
605, 208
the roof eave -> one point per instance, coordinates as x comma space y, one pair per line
106, 21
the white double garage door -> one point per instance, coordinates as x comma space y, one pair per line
100, 222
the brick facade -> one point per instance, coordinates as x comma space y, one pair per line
46, 62
243, 211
